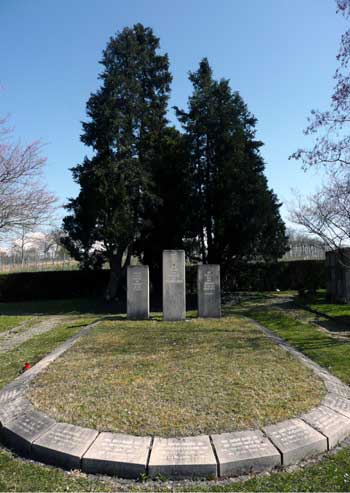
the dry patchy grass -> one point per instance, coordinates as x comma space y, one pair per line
173, 379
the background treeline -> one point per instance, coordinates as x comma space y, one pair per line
26, 286
149, 186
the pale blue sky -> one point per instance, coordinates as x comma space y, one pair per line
279, 54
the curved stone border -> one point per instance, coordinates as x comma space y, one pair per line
33, 434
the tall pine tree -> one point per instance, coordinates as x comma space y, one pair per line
236, 214
127, 117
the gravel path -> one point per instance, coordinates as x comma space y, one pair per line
16, 336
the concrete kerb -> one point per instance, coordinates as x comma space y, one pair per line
31, 433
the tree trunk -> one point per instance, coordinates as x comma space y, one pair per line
117, 273
115, 277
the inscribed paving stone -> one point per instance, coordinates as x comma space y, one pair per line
182, 457
117, 454
63, 445
332, 424
245, 451
11, 393
337, 403
296, 440
11, 409
20, 433
337, 388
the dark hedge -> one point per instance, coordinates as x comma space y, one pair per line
308, 274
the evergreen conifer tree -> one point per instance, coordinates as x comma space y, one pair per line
127, 117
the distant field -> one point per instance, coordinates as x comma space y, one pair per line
38, 266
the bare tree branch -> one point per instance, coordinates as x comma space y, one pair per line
24, 201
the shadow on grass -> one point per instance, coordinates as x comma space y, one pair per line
78, 306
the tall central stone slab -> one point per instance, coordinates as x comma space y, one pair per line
138, 292
174, 285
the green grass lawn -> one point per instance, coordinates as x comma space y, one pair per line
36, 348
176, 379
8, 322
339, 312
330, 474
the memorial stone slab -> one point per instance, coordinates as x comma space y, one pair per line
11, 393
185, 457
20, 433
11, 409
117, 454
337, 403
337, 388
209, 291
296, 440
138, 292
63, 445
174, 285
243, 452
333, 425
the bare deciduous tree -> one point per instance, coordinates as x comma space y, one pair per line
326, 214
24, 199
332, 144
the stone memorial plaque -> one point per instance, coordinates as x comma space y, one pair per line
243, 452
20, 433
333, 425
335, 387
11, 409
209, 291
117, 454
10, 394
296, 440
138, 292
182, 457
174, 285
337, 403
63, 445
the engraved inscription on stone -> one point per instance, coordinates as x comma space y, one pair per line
245, 451
332, 424
182, 457
115, 453
138, 292
22, 431
337, 388
10, 410
209, 284
209, 291
296, 440
64, 445
337, 403
10, 394
174, 286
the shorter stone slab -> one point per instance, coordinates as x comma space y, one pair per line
63, 445
11, 409
20, 433
333, 425
296, 440
138, 292
243, 452
117, 454
185, 457
337, 403
209, 291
